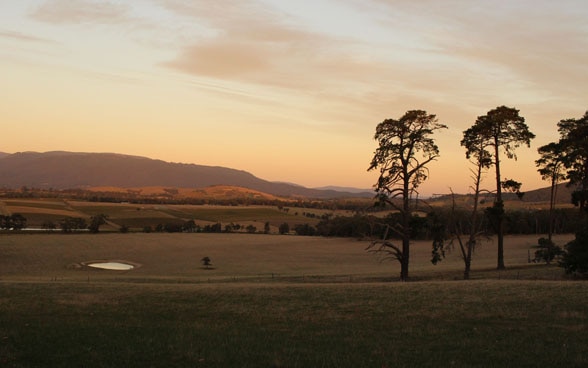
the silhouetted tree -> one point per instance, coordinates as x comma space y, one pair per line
206, 262
190, 226
574, 154
477, 152
70, 224
575, 258
305, 229
266, 228
284, 228
502, 129
550, 166
405, 147
49, 225
96, 222
16, 221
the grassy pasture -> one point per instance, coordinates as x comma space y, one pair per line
280, 301
175, 258
451, 324
46, 204
138, 216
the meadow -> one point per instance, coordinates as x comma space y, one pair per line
280, 301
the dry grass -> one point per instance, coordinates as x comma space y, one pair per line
325, 305
244, 257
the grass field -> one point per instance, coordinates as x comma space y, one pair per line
280, 301
137, 216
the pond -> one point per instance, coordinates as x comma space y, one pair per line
117, 266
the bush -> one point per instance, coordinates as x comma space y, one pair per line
305, 229
575, 258
547, 251
284, 228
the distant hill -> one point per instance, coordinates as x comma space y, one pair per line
367, 192
564, 194
68, 170
541, 195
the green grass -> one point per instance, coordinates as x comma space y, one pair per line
280, 301
457, 324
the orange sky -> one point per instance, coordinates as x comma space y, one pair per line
289, 91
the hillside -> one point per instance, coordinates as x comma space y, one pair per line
564, 194
67, 170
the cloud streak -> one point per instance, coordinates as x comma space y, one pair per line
80, 11
17, 36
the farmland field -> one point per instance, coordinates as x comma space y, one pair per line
279, 301
137, 216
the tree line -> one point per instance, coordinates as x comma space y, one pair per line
406, 146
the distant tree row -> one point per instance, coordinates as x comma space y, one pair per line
15, 221
517, 222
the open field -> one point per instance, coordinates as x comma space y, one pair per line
279, 301
137, 216
242, 257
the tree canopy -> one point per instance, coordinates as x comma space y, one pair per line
574, 152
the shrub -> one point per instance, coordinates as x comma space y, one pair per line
575, 258
547, 251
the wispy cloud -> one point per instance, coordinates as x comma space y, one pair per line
23, 37
539, 45
80, 11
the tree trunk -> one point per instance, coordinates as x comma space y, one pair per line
405, 231
468, 263
551, 206
500, 217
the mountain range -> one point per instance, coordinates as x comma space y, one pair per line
69, 170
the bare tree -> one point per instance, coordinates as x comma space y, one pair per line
476, 152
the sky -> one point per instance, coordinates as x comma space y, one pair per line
287, 90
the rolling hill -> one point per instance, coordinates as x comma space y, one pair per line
69, 170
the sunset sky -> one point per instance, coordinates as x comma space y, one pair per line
287, 90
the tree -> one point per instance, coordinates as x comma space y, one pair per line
574, 154
477, 153
206, 262
305, 229
96, 221
48, 225
16, 221
550, 166
266, 227
405, 148
575, 259
70, 224
547, 250
284, 228
503, 130
190, 226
